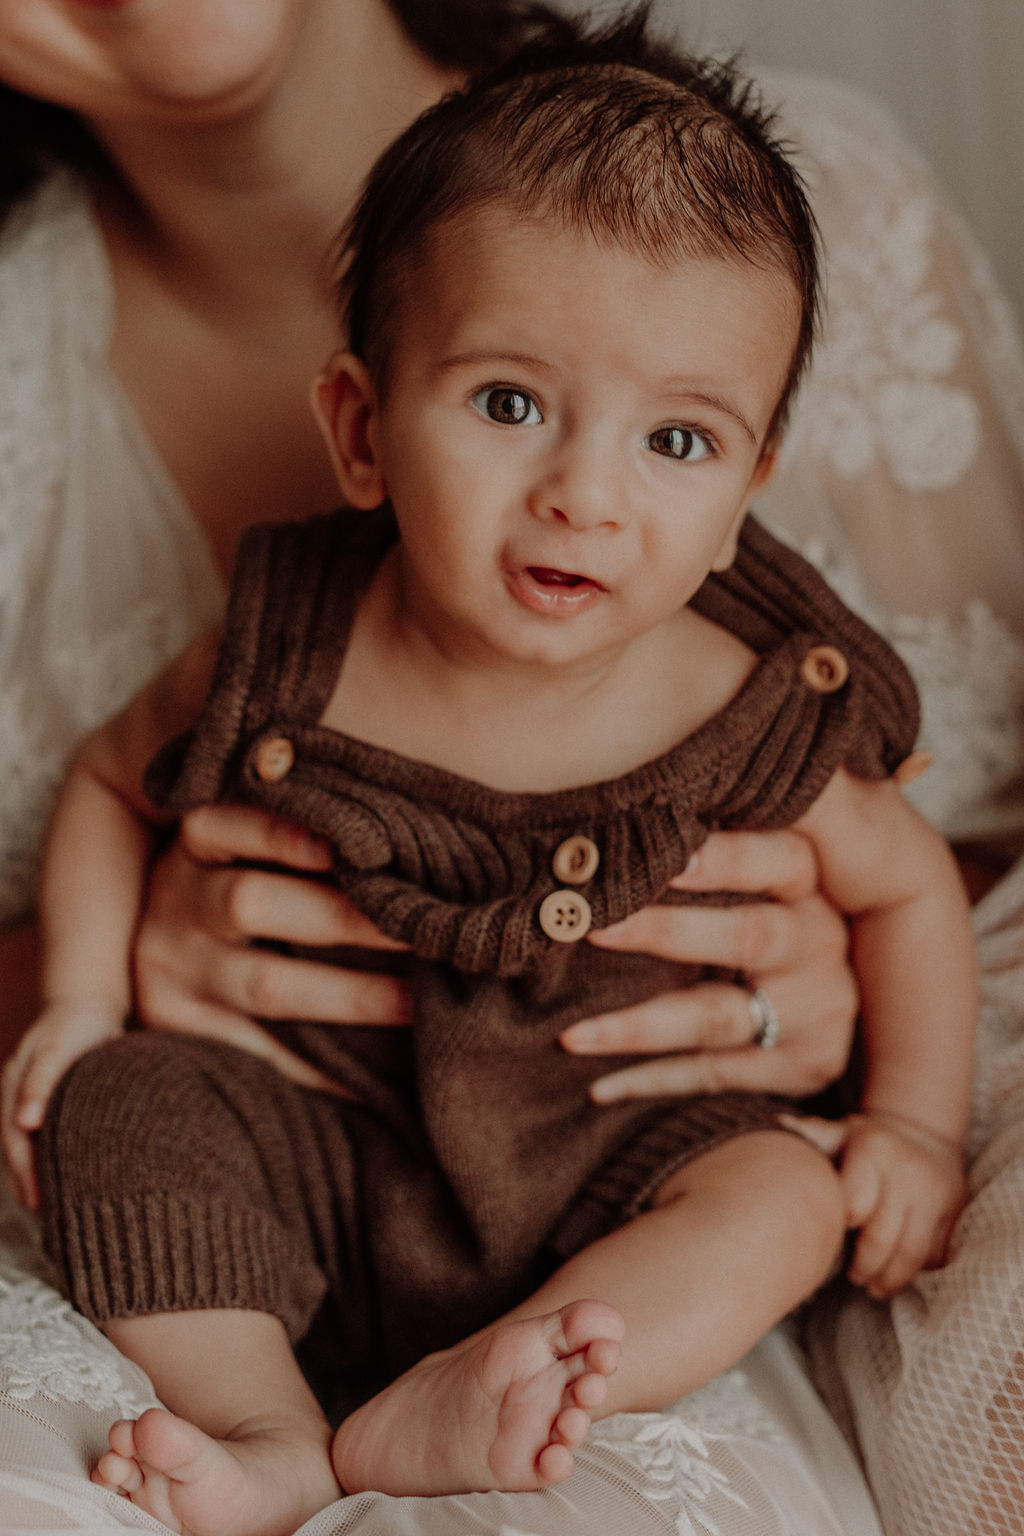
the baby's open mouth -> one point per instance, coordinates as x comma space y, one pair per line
550, 578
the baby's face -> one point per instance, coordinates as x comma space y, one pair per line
571, 435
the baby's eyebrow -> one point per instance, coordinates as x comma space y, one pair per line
679, 389
480, 358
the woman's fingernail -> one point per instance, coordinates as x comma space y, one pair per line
604, 1091
689, 869
578, 1037
610, 937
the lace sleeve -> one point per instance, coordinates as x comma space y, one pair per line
104, 574
902, 476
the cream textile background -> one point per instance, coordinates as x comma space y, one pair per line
952, 70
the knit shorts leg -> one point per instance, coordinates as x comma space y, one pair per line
180, 1174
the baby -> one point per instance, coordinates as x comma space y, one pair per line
511, 688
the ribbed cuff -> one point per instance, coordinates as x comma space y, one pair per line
168, 1253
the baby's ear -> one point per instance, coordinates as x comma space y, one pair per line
346, 407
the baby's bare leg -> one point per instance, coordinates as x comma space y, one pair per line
735, 1240
249, 1457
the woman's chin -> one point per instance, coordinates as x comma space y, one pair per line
188, 59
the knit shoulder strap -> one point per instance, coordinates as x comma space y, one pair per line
293, 597
771, 593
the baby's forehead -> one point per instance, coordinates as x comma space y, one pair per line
492, 252
498, 224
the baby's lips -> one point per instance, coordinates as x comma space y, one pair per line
552, 576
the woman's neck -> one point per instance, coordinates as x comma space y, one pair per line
218, 235
247, 198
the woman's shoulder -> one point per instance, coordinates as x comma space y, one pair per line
52, 231
55, 297
104, 574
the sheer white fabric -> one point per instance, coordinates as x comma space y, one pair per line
904, 477
933, 1386
103, 573
753, 1454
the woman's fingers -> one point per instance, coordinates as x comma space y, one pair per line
220, 834
702, 1040
257, 983
779, 864
758, 938
713, 1016
246, 1035
195, 960
793, 947
243, 904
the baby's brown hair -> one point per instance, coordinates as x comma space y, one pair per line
616, 134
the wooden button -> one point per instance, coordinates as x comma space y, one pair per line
575, 860
273, 758
824, 668
913, 766
565, 916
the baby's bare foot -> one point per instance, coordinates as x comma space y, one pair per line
504, 1410
264, 1482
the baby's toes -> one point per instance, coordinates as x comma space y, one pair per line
118, 1472
571, 1426
584, 1322
603, 1356
588, 1392
554, 1464
121, 1437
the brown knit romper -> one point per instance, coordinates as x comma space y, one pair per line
181, 1173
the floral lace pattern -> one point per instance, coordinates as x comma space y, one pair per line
48, 1350
673, 1461
969, 674
103, 572
879, 387
674, 1455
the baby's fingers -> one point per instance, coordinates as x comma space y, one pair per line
862, 1186
877, 1250
17, 1144
25, 1099
21, 1167
917, 1245
39, 1077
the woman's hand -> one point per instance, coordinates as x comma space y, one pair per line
195, 967
794, 947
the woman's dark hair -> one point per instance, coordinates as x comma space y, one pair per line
474, 35
613, 133
470, 35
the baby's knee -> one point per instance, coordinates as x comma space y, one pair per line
778, 1189
809, 1204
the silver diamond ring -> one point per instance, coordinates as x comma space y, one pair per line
765, 1020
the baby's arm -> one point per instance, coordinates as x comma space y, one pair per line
98, 849
913, 951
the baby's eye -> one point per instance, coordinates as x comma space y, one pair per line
675, 442
507, 405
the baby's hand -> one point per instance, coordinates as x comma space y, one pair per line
905, 1187
63, 1032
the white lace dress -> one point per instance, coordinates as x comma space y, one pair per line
904, 478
